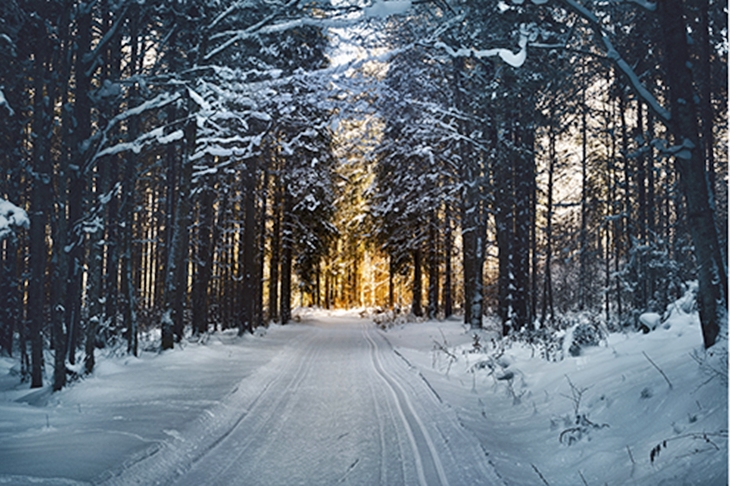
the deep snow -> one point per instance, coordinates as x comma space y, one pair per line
335, 400
522, 406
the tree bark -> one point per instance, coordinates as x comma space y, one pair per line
274, 261
691, 167
249, 247
416, 307
448, 249
203, 260
547, 295
41, 195
77, 179
433, 267
286, 260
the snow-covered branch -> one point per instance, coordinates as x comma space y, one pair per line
137, 145
619, 61
4, 102
156, 136
511, 58
640, 89
378, 9
91, 58
11, 217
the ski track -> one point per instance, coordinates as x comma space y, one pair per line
428, 463
336, 406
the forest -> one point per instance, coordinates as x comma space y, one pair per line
169, 168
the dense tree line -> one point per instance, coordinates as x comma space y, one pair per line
573, 164
164, 151
189, 165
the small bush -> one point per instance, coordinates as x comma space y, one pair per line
584, 335
546, 342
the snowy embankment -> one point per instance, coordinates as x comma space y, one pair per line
637, 409
128, 408
333, 399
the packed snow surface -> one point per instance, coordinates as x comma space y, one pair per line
335, 400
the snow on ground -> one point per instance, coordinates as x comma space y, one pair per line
126, 407
334, 399
523, 408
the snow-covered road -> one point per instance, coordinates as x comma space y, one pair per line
340, 406
334, 400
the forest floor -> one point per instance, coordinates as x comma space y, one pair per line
335, 400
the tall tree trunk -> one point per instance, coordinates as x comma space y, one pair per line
504, 224
274, 261
261, 251
640, 297
128, 196
627, 208
286, 260
547, 295
524, 174
691, 166
651, 203
433, 266
176, 275
583, 237
417, 290
448, 249
249, 247
77, 179
41, 195
203, 260
59, 215
472, 217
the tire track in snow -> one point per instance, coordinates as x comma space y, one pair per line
262, 411
428, 463
168, 462
461, 446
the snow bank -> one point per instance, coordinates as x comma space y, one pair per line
128, 408
608, 416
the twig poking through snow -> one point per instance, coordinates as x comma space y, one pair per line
540, 474
583, 478
443, 347
658, 369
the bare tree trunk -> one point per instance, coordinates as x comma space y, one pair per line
472, 218
274, 261
259, 319
691, 166
547, 295
583, 275
416, 307
448, 249
77, 187
433, 266
249, 248
640, 294
203, 259
286, 261
41, 196
524, 174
